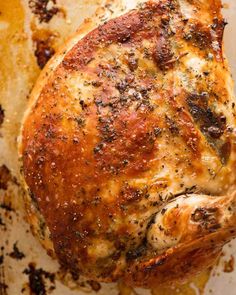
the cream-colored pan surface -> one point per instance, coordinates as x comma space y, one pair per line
27, 39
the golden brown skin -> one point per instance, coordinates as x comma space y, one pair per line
128, 147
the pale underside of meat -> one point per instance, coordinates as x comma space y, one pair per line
128, 146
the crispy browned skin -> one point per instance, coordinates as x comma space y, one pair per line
130, 144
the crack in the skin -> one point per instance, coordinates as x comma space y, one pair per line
151, 221
172, 197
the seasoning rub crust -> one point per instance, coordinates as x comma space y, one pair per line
128, 146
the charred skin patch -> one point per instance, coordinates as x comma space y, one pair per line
198, 35
208, 38
136, 253
211, 124
207, 218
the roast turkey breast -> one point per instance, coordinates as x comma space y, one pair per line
128, 146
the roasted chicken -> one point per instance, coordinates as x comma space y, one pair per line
128, 146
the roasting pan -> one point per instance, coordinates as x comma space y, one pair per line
25, 34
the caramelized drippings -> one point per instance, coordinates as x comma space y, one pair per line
196, 286
193, 287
